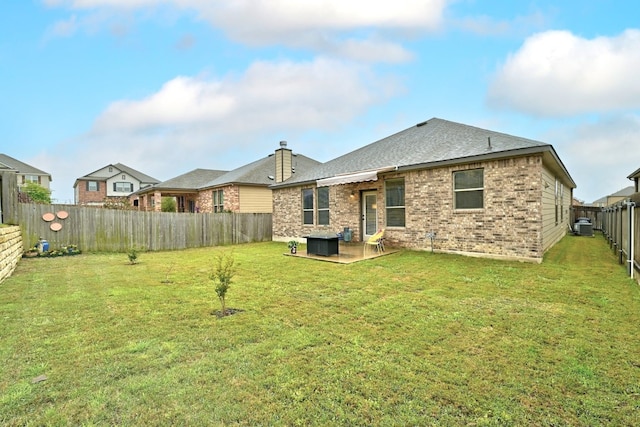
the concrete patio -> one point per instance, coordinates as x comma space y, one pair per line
347, 253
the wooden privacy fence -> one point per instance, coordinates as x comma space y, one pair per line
621, 227
592, 212
98, 229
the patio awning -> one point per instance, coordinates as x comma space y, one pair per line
348, 178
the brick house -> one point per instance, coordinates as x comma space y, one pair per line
481, 193
242, 190
114, 181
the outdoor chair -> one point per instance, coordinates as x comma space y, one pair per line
377, 241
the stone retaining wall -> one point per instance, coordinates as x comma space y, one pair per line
11, 250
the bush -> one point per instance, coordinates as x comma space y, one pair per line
168, 204
133, 256
36, 193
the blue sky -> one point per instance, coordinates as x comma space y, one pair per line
167, 86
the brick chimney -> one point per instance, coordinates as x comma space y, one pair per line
284, 163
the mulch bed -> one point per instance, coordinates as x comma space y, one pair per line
227, 312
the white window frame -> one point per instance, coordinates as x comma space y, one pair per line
307, 212
391, 208
457, 191
323, 209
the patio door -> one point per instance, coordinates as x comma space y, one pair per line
369, 214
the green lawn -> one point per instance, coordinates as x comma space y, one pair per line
413, 338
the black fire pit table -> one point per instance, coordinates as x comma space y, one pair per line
322, 244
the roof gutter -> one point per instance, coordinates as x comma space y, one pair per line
494, 156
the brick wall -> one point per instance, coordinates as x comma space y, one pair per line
11, 249
85, 196
231, 199
204, 201
510, 225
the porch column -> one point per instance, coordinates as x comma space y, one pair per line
157, 199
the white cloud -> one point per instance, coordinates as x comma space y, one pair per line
600, 155
226, 122
223, 123
357, 29
256, 16
269, 95
257, 20
556, 73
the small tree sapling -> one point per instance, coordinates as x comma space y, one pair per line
223, 272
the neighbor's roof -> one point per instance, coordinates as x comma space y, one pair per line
187, 181
143, 178
627, 191
136, 174
635, 174
258, 172
429, 144
21, 167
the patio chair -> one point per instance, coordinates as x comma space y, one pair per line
377, 241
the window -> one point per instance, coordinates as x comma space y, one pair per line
307, 206
124, 177
123, 187
556, 200
561, 203
218, 200
468, 189
32, 178
93, 186
394, 202
323, 206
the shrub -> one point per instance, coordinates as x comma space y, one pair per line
36, 193
132, 255
168, 204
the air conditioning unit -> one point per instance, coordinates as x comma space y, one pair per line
583, 229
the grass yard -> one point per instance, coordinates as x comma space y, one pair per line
412, 338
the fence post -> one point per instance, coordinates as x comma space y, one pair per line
9, 197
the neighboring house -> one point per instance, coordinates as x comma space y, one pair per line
480, 192
26, 173
635, 177
113, 181
616, 197
183, 188
243, 190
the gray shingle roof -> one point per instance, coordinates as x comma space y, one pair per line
143, 178
21, 167
627, 191
190, 180
258, 172
423, 145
